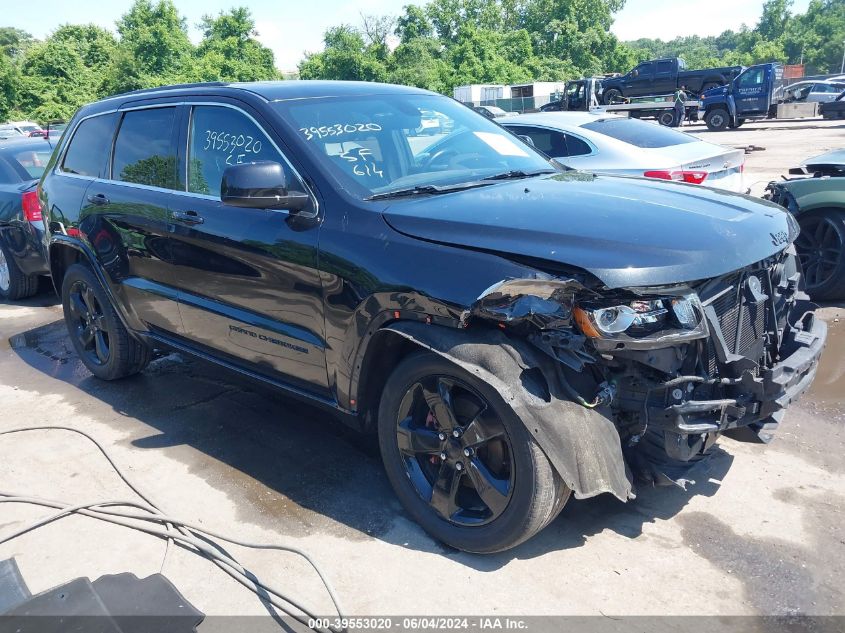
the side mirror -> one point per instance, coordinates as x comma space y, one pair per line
260, 185
635, 73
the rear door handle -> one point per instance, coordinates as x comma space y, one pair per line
187, 217
99, 199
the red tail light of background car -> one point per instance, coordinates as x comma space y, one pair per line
692, 177
31, 206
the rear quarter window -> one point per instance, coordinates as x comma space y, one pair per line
638, 133
88, 151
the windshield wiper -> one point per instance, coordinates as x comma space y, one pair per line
518, 173
420, 190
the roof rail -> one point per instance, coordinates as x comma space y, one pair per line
199, 84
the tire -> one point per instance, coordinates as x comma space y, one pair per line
610, 95
667, 118
103, 344
717, 119
14, 284
821, 250
523, 493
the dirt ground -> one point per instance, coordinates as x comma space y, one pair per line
784, 144
761, 532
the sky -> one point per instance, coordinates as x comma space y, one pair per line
292, 28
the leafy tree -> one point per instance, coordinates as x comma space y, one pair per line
413, 24
9, 81
154, 47
229, 50
54, 81
345, 57
14, 42
774, 19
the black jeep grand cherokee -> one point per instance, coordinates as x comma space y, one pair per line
513, 331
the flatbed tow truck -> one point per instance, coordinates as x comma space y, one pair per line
584, 95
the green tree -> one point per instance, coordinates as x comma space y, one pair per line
774, 19
230, 51
9, 81
54, 81
154, 48
14, 42
345, 57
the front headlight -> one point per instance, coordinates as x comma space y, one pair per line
642, 323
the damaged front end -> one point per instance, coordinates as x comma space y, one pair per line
672, 368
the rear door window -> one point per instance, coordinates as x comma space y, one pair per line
639, 133
221, 137
144, 151
88, 152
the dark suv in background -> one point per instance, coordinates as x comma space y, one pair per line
512, 330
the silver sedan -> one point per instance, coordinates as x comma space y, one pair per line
618, 145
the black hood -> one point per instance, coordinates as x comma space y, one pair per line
626, 231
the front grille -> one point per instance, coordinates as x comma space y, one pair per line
743, 324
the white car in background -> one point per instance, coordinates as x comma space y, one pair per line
821, 91
613, 144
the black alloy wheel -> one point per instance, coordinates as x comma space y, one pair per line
91, 331
102, 342
821, 250
612, 95
455, 451
460, 460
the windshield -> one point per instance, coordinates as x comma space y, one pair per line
378, 144
639, 133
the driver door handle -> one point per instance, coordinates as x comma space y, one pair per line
187, 217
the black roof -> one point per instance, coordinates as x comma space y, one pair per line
277, 90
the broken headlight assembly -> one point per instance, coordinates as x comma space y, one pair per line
641, 322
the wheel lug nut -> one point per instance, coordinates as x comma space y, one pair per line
468, 452
456, 433
459, 466
441, 437
443, 456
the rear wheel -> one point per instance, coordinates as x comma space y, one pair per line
102, 342
667, 118
14, 284
717, 119
460, 460
612, 95
821, 249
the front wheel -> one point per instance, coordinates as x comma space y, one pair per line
460, 460
717, 119
821, 250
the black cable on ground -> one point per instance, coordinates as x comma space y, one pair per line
186, 533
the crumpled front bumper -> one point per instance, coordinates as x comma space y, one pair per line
747, 407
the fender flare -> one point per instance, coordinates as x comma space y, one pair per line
582, 444
89, 256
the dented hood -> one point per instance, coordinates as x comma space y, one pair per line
626, 231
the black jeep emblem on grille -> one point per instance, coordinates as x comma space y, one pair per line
779, 238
